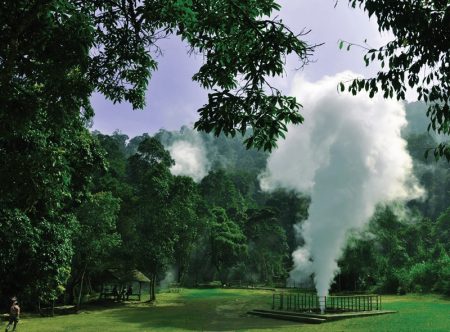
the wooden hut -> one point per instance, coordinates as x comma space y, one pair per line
122, 285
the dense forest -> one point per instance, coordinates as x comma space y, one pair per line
225, 228
220, 227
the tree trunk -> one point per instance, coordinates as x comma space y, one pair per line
81, 288
180, 273
72, 285
140, 290
152, 288
70, 291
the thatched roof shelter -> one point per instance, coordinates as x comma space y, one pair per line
126, 276
117, 281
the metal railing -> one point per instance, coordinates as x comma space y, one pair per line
312, 302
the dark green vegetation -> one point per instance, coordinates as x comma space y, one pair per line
418, 57
54, 54
406, 251
113, 47
73, 203
224, 228
224, 310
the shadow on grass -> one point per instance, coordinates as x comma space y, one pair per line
198, 316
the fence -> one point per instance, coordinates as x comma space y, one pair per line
312, 302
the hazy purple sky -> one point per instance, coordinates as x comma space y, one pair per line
172, 97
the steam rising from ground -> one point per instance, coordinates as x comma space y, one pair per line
190, 157
349, 156
169, 279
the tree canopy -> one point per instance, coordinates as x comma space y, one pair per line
417, 57
113, 47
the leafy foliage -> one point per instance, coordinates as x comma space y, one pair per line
418, 56
114, 44
268, 248
96, 235
242, 50
218, 190
228, 243
396, 256
47, 156
187, 215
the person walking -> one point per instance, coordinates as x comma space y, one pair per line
129, 292
14, 314
115, 293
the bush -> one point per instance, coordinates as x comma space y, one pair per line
423, 276
403, 278
442, 284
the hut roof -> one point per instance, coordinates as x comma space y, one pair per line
126, 276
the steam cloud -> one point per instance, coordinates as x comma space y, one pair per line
349, 156
169, 278
190, 157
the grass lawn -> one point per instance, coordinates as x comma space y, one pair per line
225, 310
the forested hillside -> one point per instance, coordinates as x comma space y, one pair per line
406, 248
217, 225
223, 227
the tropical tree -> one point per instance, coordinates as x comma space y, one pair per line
267, 246
94, 239
417, 57
442, 229
186, 213
113, 48
47, 156
228, 243
291, 209
39, 192
218, 190
150, 243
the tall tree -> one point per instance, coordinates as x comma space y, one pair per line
94, 239
164, 212
115, 44
186, 215
151, 244
442, 229
228, 242
218, 190
290, 209
44, 109
268, 248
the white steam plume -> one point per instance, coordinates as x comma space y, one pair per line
190, 158
169, 279
349, 156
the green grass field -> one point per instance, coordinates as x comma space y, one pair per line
225, 310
